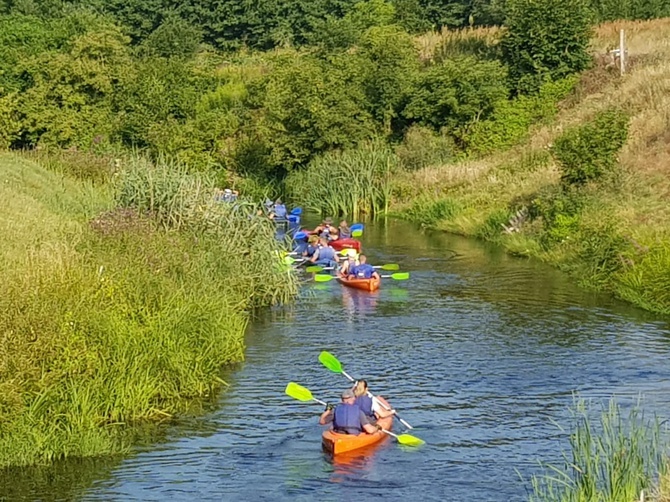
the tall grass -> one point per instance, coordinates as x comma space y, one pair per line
611, 459
125, 317
354, 182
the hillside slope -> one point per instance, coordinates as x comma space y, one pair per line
619, 238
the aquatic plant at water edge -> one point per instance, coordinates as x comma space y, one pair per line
350, 182
611, 458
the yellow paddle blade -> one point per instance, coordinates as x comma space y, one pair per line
323, 277
409, 440
298, 392
357, 233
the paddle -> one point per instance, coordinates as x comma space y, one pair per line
357, 226
389, 266
303, 394
399, 276
333, 364
357, 233
406, 439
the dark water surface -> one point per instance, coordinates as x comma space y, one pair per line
480, 351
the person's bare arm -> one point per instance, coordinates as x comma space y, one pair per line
326, 417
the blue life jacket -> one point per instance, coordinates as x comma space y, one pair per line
347, 419
280, 211
364, 271
365, 404
326, 253
310, 250
344, 234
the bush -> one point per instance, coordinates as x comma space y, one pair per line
589, 151
546, 40
559, 208
511, 120
457, 94
423, 147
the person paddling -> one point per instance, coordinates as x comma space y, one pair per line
325, 256
349, 264
372, 407
344, 230
346, 417
363, 270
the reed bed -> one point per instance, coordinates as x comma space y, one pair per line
123, 318
353, 182
611, 459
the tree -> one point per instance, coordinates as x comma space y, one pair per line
546, 40
457, 93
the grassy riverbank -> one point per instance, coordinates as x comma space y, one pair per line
612, 232
119, 302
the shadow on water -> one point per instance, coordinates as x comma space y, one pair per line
479, 350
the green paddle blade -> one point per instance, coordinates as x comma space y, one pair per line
400, 276
298, 392
323, 277
330, 361
409, 440
314, 269
390, 266
357, 233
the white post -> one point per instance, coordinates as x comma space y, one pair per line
622, 52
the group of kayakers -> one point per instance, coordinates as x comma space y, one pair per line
317, 249
358, 412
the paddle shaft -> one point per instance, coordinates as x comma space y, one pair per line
373, 397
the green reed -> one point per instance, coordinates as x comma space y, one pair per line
611, 459
124, 318
354, 182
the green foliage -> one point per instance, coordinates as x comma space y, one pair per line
132, 313
422, 147
546, 40
645, 280
611, 459
588, 152
310, 107
456, 94
511, 120
350, 182
560, 210
389, 60
429, 212
611, 10
602, 253
175, 37
492, 227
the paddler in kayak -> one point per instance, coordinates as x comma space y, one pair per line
363, 270
374, 408
325, 229
344, 230
349, 264
324, 255
312, 245
347, 418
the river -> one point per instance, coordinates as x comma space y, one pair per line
479, 351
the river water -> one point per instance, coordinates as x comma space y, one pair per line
479, 351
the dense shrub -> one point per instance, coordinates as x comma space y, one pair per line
423, 147
546, 40
589, 151
457, 94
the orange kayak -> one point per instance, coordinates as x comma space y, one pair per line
335, 443
364, 284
